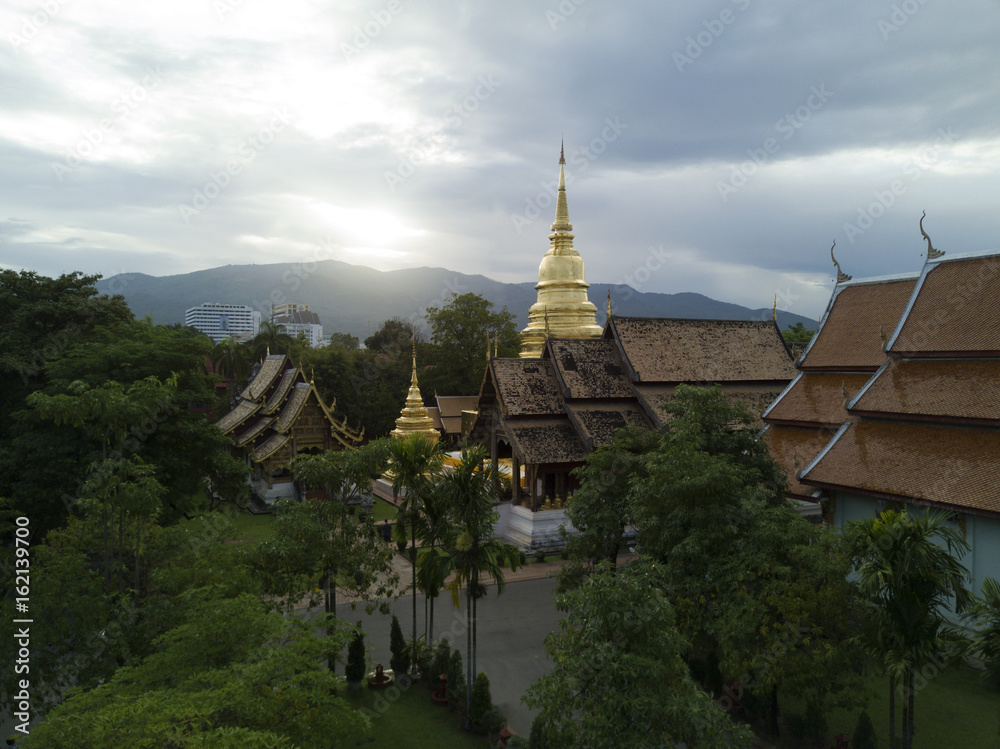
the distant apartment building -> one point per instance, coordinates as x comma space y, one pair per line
220, 321
297, 318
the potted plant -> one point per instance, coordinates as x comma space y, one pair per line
420, 654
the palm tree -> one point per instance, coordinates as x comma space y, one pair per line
272, 338
435, 526
470, 492
231, 359
415, 465
986, 618
908, 570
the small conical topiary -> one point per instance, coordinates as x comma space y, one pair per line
399, 657
482, 700
864, 733
442, 654
456, 680
355, 670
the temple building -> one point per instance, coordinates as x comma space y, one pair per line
563, 309
414, 418
843, 354
279, 415
896, 402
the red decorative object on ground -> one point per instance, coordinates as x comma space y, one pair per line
380, 680
440, 695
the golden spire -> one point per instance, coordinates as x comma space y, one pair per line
841, 276
931, 252
562, 290
414, 419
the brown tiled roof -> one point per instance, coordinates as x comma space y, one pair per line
546, 441
254, 430
527, 387
654, 398
850, 337
453, 405
280, 392
292, 407
270, 446
950, 389
948, 465
590, 368
956, 310
795, 447
435, 413
817, 398
243, 411
269, 370
597, 423
668, 350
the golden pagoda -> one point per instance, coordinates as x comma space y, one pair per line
563, 309
414, 418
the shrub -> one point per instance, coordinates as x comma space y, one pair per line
523, 556
420, 654
355, 670
456, 680
518, 742
541, 734
482, 700
864, 733
399, 658
494, 721
539, 556
442, 655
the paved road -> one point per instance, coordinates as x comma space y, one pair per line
510, 637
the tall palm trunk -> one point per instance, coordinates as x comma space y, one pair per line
912, 694
468, 659
475, 599
413, 566
892, 712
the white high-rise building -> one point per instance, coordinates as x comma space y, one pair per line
219, 321
297, 318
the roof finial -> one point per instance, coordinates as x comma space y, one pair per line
562, 210
931, 252
841, 276
487, 345
774, 309
609, 302
547, 333
562, 152
413, 377
496, 343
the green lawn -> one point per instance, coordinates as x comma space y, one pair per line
408, 718
384, 510
954, 711
253, 528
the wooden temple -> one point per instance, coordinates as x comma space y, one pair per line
279, 415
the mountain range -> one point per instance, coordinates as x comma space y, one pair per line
355, 299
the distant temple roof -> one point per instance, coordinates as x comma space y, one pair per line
557, 409
269, 413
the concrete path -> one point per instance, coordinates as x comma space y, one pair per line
510, 637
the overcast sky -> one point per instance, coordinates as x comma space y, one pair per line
717, 147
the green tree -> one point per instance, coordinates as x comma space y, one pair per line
230, 673
272, 339
601, 510
908, 568
319, 546
471, 550
618, 676
985, 617
459, 329
231, 360
773, 610
399, 659
415, 464
797, 333
355, 670
345, 341
392, 338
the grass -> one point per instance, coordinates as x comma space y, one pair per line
411, 720
253, 528
954, 711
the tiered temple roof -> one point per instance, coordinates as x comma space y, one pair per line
556, 409
925, 428
280, 413
846, 349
